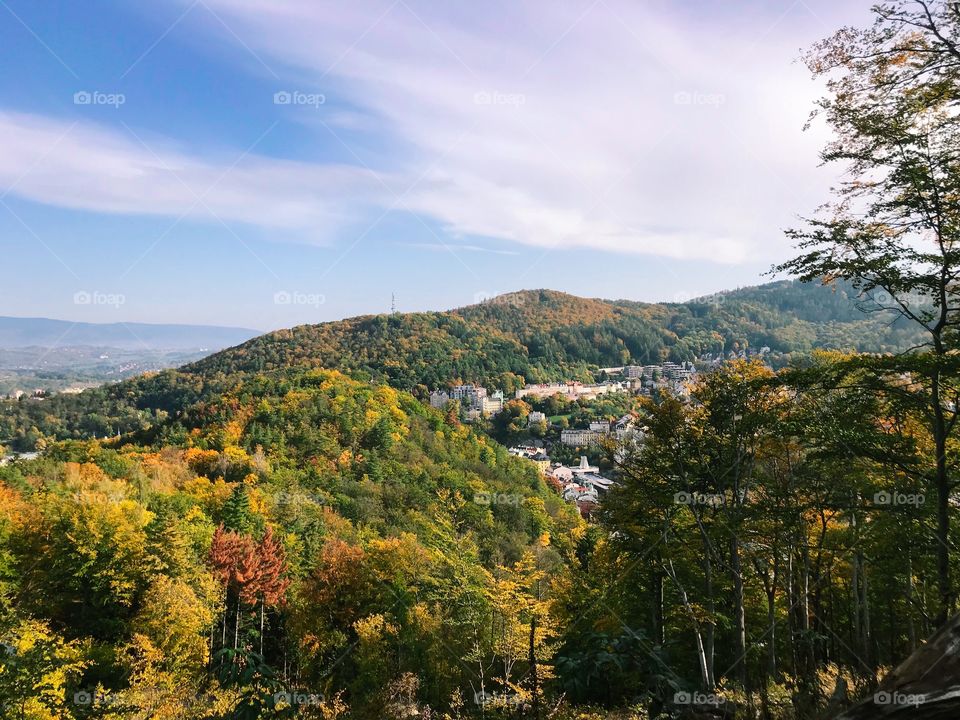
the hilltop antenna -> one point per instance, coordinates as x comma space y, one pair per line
393, 303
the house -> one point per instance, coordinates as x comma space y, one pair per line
542, 461
439, 399
586, 508
575, 493
536, 417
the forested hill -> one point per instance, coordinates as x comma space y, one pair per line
523, 337
540, 335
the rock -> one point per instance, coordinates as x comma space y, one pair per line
925, 686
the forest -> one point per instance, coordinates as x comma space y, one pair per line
286, 530
505, 343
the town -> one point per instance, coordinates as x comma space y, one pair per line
562, 453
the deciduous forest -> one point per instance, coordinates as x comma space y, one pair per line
286, 529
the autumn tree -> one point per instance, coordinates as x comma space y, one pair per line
250, 572
37, 668
893, 225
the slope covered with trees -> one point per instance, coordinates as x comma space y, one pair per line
525, 337
541, 335
294, 546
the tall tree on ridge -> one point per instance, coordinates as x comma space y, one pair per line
894, 224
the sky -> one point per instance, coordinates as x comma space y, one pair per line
269, 163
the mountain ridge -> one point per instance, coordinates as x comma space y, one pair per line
539, 335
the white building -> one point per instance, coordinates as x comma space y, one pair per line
468, 394
579, 437
571, 390
473, 400
491, 405
584, 467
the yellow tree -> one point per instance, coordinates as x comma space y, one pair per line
37, 666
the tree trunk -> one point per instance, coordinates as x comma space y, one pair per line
739, 611
710, 639
943, 504
911, 628
706, 676
657, 607
534, 682
772, 640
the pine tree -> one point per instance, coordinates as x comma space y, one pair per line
236, 511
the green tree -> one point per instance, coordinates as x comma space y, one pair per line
893, 226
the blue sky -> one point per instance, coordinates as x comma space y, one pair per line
266, 163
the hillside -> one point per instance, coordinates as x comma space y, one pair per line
524, 337
345, 531
541, 335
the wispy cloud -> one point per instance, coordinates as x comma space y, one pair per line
611, 124
605, 124
88, 167
441, 247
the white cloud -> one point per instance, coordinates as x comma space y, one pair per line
84, 166
615, 125
610, 124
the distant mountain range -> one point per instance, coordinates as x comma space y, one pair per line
43, 332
